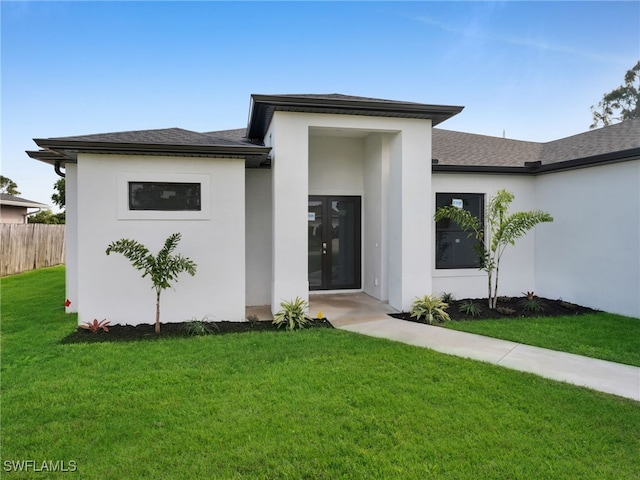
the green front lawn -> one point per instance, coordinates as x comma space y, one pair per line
317, 404
599, 335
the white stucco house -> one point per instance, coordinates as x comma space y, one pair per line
334, 193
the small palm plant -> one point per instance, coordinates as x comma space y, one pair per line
502, 230
293, 314
431, 308
163, 268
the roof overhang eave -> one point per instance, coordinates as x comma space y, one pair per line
263, 106
536, 168
58, 153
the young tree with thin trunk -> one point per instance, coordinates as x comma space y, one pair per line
503, 228
163, 268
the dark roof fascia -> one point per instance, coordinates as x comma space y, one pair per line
481, 169
263, 107
63, 147
47, 156
605, 158
535, 169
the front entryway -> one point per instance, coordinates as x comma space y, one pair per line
334, 242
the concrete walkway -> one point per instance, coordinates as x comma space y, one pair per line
362, 314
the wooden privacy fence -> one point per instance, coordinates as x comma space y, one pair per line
29, 246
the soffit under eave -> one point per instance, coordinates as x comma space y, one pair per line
262, 111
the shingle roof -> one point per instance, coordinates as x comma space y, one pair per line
466, 150
264, 106
459, 148
12, 200
619, 137
452, 150
167, 141
168, 136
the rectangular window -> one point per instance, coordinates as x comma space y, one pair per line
454, 247
164, 196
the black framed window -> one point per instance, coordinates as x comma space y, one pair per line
454, 247
164, 196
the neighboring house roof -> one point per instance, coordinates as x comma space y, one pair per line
13, 201
458, 151
263, 107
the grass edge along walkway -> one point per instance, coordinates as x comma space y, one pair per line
601, 335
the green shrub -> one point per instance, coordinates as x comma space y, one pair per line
293, 314
533, 304
470, 308
447, 297
197, 327
431, 308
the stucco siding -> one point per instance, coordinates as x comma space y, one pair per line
258, 233
517, 267
336, 166
109, 287
590, 254
10, 214
71, 231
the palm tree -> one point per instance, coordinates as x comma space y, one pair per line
162, 269
504, 230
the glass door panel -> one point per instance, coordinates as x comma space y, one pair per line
334, 242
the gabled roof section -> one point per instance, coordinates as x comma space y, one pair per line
168, 141
263, 106
13, 201
466, 152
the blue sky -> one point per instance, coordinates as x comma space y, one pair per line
532, 69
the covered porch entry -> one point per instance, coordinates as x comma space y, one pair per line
341, 309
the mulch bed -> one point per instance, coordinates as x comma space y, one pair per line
124, 333
507, 307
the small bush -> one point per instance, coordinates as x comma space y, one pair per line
447, 297
293, 314
470, 308
533, 305
253, 320
197, 327
96, 326
431, 308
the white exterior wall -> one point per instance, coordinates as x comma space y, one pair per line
109, 287
517, 267
376, 209
299, 169
258, 232
409, 214
71, 232
590, 254
336, 165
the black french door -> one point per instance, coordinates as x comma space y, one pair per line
334, 242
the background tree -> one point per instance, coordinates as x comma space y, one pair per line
504, 230
47, 216
58, 196
163, 268
622, 103
8, 186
